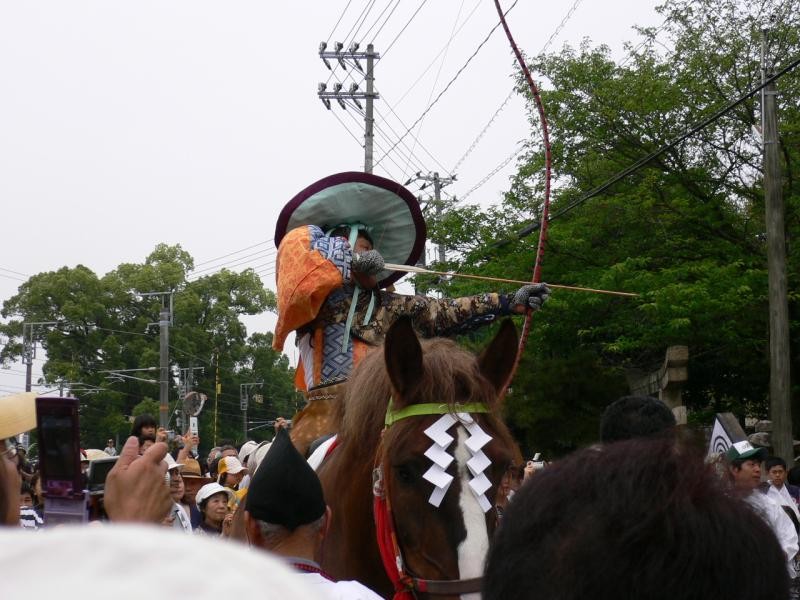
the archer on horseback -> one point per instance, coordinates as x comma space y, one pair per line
332, 240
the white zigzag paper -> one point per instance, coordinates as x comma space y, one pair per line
439, 456
478, 463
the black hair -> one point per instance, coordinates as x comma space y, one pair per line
141, 421
774, 461
794, 476
635, 416
26, 488
344, 231
641, 518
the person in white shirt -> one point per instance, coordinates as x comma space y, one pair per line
286, 514
783, 493
744, 468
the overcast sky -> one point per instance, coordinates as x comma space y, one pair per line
128, 124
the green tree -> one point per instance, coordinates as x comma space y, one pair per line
686, 231
104, 339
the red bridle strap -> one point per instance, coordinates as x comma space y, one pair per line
389, 550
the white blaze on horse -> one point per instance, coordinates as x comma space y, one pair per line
419, 457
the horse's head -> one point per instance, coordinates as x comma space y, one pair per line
444, 451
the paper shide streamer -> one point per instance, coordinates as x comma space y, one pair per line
478, 462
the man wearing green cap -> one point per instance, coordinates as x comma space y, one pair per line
744, 468
286, 514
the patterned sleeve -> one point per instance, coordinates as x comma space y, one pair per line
450, 316
335, 249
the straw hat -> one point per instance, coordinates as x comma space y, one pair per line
17, 414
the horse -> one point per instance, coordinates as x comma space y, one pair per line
401, 524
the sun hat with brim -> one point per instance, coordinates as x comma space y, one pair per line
246, 450
387, 210
17, 414
94, 453
229, 464
745, 450
208, 490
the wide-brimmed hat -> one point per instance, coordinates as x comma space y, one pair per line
389, 212
17, 414
229, 464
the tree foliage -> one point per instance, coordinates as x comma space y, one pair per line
686, 232
104, 344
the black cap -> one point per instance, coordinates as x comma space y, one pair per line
285, 489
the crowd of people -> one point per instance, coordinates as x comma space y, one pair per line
641, 514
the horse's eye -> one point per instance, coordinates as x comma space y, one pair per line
404, 473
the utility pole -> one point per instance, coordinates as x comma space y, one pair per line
29, 348
779, 373
164, 322
369, 120
438, 184
217, 391
352, 58
244, 398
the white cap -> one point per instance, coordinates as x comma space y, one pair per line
229, 464
246, 449
171, 464
208, 490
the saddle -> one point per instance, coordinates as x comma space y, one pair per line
315, 420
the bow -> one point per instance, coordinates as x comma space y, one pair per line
537, 268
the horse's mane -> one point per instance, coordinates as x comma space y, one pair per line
449, 374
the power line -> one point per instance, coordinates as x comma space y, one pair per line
494, 171
375, 22
14, 272
450, 83
433, 62
436, 80
513, 90
196, 274
655, 154
377, 33
341, 16
205, 262
392, 43
369, 10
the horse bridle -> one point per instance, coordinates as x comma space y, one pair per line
406, 585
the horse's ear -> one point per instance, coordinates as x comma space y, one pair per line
403, 356
497, 360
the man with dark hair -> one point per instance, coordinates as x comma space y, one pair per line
785, 494
643, 518
287, 515
635, 416
744, 470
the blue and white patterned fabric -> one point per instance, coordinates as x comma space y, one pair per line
335, 249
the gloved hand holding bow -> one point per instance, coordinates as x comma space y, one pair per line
530, 296
365, 267
367, 263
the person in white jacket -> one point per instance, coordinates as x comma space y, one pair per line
744, 467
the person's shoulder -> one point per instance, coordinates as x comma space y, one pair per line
354, 589
342, 590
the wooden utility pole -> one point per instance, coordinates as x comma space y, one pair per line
779, 373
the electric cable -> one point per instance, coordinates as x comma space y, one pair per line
450, 83
525, 231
